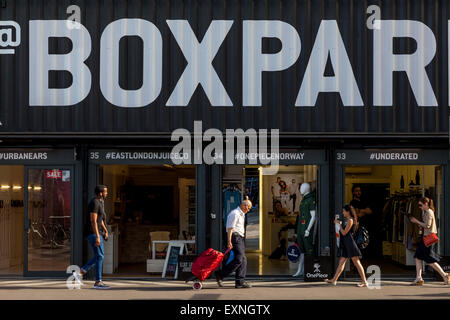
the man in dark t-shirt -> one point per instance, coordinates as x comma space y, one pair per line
361, 207
98, 233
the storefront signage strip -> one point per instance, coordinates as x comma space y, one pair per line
316, 156
36, 155
390, 156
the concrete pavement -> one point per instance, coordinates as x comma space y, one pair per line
122, 289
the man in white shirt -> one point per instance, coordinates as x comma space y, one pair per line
236, 232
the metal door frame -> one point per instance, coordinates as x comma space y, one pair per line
438, 161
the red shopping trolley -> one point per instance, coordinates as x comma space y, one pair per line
204, 265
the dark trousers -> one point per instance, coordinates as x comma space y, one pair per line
294, 199
239, 263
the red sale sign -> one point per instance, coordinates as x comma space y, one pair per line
53, 174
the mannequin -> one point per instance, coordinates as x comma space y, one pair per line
305, 224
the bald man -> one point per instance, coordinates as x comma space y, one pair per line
236, 232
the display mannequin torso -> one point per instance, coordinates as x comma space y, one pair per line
307, 205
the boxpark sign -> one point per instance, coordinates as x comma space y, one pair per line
200, 51
157, 68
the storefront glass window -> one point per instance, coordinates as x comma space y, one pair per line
11, 219
49, 212
271, 226
147, 203
385, 198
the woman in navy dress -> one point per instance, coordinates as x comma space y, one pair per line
348, 248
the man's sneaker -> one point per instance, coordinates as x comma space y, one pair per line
81, 273
243, 285
219, 279
100, 285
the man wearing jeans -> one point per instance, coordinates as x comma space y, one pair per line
97, 218
236, 232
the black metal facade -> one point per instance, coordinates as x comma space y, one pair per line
95, 123
95, 114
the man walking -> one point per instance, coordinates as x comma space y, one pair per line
97, 218
236, 231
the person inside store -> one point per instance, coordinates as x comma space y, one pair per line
423, 252
276, 191
284, 195
279, 210
348, 248
362, 208
98, 233
236, 232
293, 193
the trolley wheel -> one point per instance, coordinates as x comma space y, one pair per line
197, 285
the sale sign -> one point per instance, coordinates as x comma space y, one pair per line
53, 174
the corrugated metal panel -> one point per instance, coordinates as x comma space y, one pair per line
279, 89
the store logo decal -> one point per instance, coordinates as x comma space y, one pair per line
317, 273
316, 268
9, 37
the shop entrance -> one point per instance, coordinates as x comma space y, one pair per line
35, 220
385, 197
147, 206
271, 224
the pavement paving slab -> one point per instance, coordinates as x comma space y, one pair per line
122, 289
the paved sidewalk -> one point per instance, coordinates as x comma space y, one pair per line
122, 289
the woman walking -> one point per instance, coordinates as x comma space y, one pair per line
348, 248
423, 253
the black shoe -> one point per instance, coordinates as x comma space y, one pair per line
245, 284
219, 279
101, 286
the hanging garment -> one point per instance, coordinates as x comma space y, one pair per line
232, 199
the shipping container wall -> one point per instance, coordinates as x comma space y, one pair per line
317, 66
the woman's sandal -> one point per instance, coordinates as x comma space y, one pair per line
362, 285
447, 279
418, 282
330, 282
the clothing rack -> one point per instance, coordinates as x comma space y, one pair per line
401, 236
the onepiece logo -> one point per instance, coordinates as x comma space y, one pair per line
316, 268
9, 37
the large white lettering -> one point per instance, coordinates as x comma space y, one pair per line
41, 62
200, 55
199, 69
152, 63
329, 43
254, 62
385, 62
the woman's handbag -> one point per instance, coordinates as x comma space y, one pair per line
430, 239
362, 237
